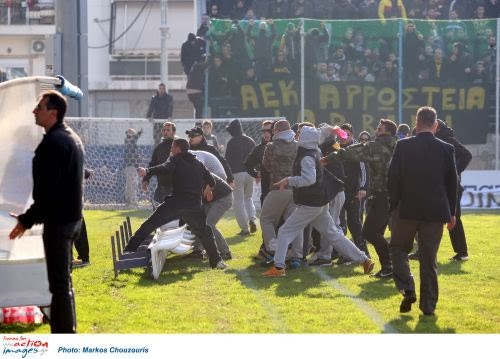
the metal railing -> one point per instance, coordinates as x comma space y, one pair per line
27, 12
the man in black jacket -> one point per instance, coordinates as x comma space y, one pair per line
160, 107
422, 184
189, 178
57, 204
253, 162
197, 142
351, 208
237, 150
462, 159
160, 155
191, 51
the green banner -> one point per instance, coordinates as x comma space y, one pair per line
355, 71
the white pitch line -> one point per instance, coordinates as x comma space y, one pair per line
360, 303
274, 316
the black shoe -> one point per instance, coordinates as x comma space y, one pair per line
383, 273
262, 255
253, 226
227, 256
78, 263
409, 298
413, 256
320, 262
243, 232
430, 314
459, 258
344, 260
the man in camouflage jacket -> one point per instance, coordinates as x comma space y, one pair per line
377, 154
278, 161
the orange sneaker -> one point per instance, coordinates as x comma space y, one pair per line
274, 272
368, 265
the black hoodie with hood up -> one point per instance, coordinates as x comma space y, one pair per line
462, 154
238, 147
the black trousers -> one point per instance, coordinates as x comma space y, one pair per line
349, 217
197, 100
161, 192
58, 244
429, 237
457, 234
82, 243
377, 217
171, 209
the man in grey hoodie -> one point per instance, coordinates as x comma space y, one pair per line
312, 206
237, 150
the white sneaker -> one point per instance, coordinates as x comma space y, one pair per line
221, 265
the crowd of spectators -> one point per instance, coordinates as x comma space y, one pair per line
352, 9
263, 41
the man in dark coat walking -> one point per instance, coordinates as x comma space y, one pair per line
422, 184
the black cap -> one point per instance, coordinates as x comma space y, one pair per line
195, 131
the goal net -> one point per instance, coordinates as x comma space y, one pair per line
107, 155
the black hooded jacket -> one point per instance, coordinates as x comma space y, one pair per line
238, 147
189, 177
191, 51
462, 154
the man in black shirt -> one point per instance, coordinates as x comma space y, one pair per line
253, 162
189, 178
160, 155
57, 204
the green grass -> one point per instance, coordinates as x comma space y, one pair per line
189, 297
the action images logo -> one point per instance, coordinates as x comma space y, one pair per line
23, 347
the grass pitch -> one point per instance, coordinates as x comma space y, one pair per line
189, 297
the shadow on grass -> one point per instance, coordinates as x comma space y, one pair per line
451, 268
377, 288
175, 269
296, 282
238, 239
425, 324
122, 214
